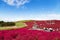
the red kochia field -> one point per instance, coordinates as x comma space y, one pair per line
25, 34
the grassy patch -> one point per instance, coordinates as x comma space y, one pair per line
6, 28
20, 24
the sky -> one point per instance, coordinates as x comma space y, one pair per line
14, 10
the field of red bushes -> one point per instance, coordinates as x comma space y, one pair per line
45, 23
25, 34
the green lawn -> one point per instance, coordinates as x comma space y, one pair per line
19, 24
5, 28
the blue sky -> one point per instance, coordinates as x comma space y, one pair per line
29, 10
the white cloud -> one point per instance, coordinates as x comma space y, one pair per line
16, 3
33, 17
43, 17
10, 2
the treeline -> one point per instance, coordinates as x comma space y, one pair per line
2, 23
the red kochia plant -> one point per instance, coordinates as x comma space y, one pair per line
1, 36
25, 34
21, 35
55, 35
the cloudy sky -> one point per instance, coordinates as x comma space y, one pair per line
13, 10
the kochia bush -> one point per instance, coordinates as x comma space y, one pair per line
25, 34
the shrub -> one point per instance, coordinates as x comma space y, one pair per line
3, 24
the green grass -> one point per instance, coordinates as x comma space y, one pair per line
5, 28
18, 24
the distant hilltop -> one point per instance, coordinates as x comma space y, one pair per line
35, 20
